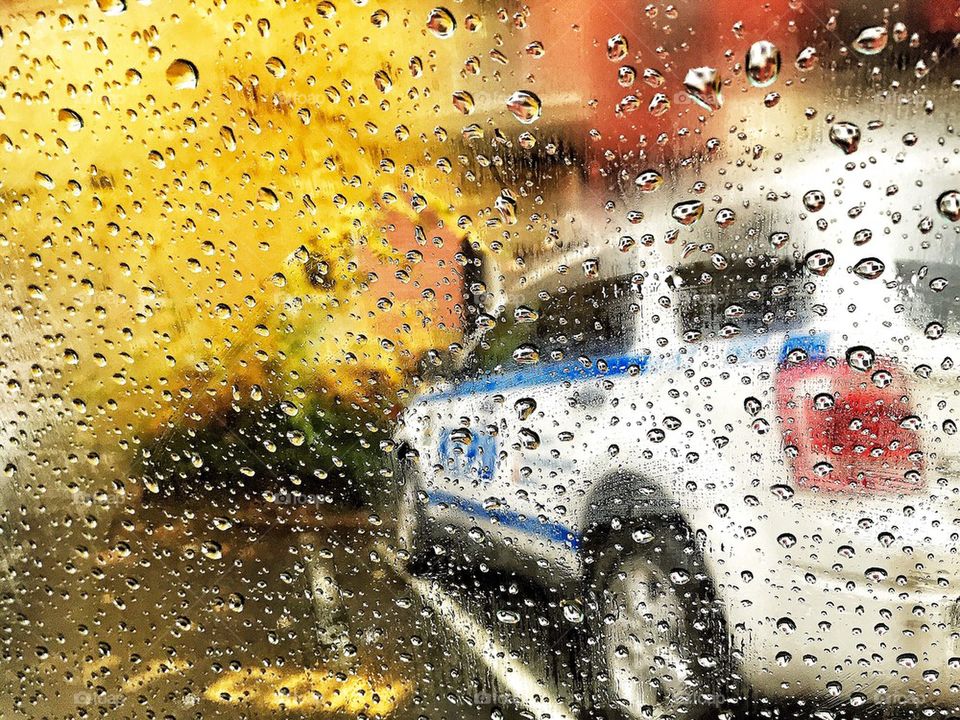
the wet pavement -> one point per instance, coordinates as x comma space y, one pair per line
178, 611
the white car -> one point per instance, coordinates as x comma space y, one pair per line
735, 446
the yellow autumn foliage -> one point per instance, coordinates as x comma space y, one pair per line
170, 241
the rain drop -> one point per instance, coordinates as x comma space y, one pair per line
948, 205
183, 75
871, 40
846, 136
762, 63
704, 86
525, 106
441, 23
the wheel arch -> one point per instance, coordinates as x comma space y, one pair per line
627, 495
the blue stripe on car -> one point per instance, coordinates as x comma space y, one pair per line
545, 374
549, 531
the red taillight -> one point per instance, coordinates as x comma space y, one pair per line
846, 429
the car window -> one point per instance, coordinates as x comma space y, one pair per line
593, 319
752, 296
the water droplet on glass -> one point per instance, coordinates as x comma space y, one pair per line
659, 105
823, 401
762, 63
653, 77
526, 355
648, 181
276, 67
524, 314
535, 49
846, 136
525, 106
642, 536
807, 59
267, 198
687, 212
784, 492
461, 436
70, 119
786, 625
508, 617
617, 48
822, 469
779, 239
814, 200
704, 86
861, 357
228, 139
463, 101
907, 660
112, 7
573, 612
725, 217
441, 23
871, 40
529, 440
869, 268
524, 407
819, 262
183, 75
948, 205
506, 205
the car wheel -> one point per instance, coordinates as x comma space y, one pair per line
658, 635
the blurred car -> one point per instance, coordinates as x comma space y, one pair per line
736, 450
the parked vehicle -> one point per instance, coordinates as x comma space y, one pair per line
726, 442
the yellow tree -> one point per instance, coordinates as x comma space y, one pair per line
202, 200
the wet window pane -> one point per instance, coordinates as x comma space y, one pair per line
542, 360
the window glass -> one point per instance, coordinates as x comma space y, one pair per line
515, 360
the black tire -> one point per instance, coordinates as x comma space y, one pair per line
657, 638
